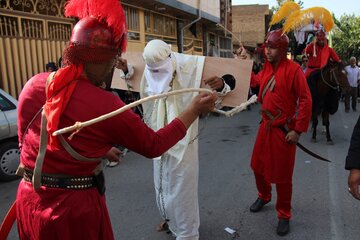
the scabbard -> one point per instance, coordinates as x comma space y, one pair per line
8, 222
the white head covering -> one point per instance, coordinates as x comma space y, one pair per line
159, 66
156, 51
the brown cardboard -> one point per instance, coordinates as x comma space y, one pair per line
240, 69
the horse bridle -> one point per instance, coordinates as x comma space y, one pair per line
332, 75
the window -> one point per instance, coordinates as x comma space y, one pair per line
5, 104
158, 26
133, 23
193, 43
225, 47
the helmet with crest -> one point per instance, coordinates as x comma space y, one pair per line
99, 35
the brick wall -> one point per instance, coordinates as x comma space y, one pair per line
249, 23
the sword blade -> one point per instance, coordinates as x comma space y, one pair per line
311, 153
306, 150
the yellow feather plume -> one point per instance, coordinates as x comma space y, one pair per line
285, 10
301, 18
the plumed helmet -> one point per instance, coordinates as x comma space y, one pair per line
99, 35
277, 39
91, 33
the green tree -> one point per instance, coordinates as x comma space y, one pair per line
346, 41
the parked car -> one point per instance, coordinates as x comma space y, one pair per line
9, 146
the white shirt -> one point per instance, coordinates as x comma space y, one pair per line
353, 75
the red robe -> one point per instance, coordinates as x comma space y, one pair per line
323, 54
53, 213
272, 156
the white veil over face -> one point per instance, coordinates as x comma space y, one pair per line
159, 68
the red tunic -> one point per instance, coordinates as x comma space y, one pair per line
54, 213
323, 54
272, 156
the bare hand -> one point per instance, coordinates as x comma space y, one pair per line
292, 137
203, 103
215, 83
354, 182
113, 155
121, 63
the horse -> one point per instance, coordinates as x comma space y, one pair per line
325, 85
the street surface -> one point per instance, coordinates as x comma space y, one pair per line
322, 207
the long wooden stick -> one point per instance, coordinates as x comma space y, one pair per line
78, 125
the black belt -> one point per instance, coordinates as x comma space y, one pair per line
81, 182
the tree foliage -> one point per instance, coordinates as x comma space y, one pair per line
346, 41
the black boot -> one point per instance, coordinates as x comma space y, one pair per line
258, 205
283, 227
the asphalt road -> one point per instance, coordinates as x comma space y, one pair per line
322, 207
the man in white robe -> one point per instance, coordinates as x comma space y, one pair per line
176, 171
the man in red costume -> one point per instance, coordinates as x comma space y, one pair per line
61, 195
319, 54
285, 111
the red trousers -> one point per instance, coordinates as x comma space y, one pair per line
284, 193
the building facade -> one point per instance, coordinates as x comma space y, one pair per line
190, 26
35, 32
250, 24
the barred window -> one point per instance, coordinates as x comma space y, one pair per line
226, 47
225, 43
9, 26
133, 22
32, 28
158, 26
59, 31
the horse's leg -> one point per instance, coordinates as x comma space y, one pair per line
326, 122
314, 125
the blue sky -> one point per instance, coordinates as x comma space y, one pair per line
338, 7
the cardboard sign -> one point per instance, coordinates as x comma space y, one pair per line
240, 69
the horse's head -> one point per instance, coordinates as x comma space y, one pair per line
337, 74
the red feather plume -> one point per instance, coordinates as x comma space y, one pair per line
107, 11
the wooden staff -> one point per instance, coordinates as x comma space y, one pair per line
78, 125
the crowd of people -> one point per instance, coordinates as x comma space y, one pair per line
63, 181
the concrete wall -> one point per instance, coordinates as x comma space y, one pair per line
210, 8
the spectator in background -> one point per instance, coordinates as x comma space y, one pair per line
60, 64
353, 76
304, 63
51, 67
